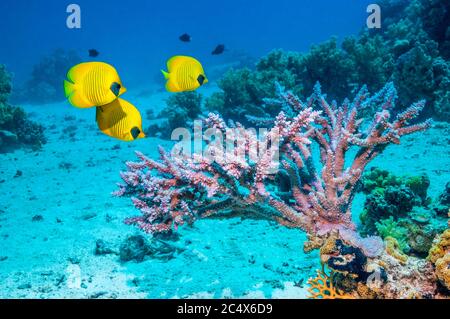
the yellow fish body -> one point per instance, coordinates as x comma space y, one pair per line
184, 74
92, 84
121, 120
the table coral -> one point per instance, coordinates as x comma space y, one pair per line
186, 188
180, 188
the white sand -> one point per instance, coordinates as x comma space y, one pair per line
43, 257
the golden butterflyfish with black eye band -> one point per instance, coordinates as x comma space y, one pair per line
92, 84
184, 74
121, 120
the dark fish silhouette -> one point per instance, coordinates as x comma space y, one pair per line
93, 53
185, 37
219, 49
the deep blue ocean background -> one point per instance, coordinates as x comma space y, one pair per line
56, 206
139, 36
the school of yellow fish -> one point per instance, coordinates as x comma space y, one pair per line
98, 84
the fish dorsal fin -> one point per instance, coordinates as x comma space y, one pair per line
175, 62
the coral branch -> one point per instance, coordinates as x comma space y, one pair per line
314, 195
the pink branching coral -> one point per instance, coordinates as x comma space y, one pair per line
302, 193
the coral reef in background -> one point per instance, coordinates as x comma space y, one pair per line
5, 85
442, 205
44, 85
417, 62
181, 110
180, 188
240, 95
399, 208
16, 128
234, 59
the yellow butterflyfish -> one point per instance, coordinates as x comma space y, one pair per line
184, 74
121, 120
92, 84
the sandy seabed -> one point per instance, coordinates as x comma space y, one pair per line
69, 184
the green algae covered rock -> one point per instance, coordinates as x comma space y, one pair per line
399, 207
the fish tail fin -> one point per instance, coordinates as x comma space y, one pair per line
166, 74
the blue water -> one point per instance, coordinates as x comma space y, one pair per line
139, 36
54, 211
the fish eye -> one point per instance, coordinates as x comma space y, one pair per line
201, 78
115, 88
135, 131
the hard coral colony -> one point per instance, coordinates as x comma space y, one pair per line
179, 188
16, 128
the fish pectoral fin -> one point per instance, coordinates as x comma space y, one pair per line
172, 87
